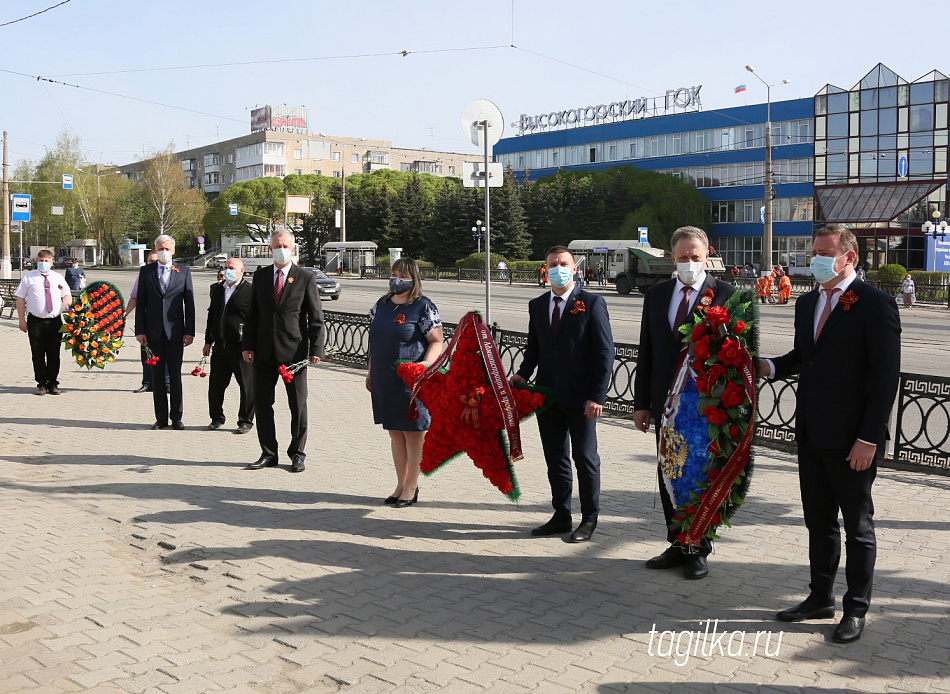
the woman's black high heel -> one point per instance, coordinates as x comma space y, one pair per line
402, 503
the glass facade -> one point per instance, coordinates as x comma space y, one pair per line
880, 166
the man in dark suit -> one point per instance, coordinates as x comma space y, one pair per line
165, 321
667, 306
571, 346
227, 313
284, 325
847, 354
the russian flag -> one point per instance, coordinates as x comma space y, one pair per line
740, 88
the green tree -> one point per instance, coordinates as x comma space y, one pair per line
413, 212
173, 208
509, 231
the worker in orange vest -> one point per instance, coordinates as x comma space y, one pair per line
784, 288
764, 287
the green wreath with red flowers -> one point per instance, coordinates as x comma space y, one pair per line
92, 331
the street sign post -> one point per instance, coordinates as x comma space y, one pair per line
22, 203
67, 181
644, 234
232, 209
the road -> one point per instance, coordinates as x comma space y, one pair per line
925, 337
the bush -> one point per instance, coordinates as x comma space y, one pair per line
892, 274
476, 261
525, 265
383, 261
928, 277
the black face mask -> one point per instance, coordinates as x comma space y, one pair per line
398, 285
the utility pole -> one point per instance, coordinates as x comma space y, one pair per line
769, 186
7, 269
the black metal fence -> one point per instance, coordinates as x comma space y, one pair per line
922, 415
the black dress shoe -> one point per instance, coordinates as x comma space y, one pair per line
215, 425
53, 390
696, 567
848, 630
158, 425
809, 609
297, 465
244, 428
555, 526
143, 389
262, 462
583, 532
673, 556
177, 425
390, 499
402, 503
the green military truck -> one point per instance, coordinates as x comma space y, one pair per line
632, 264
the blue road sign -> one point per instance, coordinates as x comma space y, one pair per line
902, 167
21, 207
232, 209
644, 234
67, 181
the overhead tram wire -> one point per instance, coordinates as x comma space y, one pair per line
40, 78
390, 54
30, 16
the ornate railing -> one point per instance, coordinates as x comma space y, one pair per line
922, 439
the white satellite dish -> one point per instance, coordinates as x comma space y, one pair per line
476, 113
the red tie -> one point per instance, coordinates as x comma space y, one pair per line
556, 316
279, 287
826, 311
682, 310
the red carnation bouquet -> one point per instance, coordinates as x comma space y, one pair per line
472, 406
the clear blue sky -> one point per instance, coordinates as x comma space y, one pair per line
638, 49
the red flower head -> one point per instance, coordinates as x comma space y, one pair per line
713, 474
740, 327
733, 396
703, 384
717, 315
731, 353
691, 510
702, 348
699, 330
734, 432
716, 372
681, 538
716, 520
715, 415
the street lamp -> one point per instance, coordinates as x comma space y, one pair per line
98, 213
478, 232
769, 188
935, 229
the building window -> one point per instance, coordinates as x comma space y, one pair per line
451, 171
298, 153
278, 170
336, 156
354, 158
405, 166
593, 155
298, 171
275, 148
612, 150
317, 172
554, 158
230, 159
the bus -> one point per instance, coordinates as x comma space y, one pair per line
258, 254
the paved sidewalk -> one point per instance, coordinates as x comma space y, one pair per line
151, 561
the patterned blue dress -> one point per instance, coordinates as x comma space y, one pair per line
392, 338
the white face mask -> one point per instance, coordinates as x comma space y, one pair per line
282, 255
164, 257
688, 272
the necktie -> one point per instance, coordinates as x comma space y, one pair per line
279, 287
826, 311
165, 272
49, 295
556, 316
682, 310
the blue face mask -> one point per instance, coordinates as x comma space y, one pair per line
44, 266
230, 276
823, 268
398, 285
560, 276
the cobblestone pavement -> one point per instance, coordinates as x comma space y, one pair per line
151, 561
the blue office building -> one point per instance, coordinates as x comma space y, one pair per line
823, 149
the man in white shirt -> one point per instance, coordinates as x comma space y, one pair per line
40, 300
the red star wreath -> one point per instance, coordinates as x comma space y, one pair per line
473, 412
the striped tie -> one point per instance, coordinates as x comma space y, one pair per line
826, 311
279, 287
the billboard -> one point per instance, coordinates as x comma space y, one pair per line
288, 119
260, 119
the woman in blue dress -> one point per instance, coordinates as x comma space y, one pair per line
404, 325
